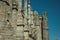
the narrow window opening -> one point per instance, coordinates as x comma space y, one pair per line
7, 20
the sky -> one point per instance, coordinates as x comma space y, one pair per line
53, 13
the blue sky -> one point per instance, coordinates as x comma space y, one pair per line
53, 12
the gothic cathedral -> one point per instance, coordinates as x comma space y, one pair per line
19, 22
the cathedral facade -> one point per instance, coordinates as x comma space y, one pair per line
19, 22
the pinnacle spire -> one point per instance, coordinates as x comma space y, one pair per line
25, 2
44, 13
28, 1
29, 6
25, 7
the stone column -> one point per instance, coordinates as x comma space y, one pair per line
45, 26
25, 16
26, 29
29, 16
39, 34
37, 22
20, 22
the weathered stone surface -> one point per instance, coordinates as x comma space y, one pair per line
19, 22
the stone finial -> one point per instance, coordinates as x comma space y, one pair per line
28, 1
